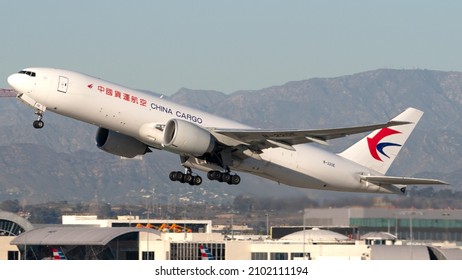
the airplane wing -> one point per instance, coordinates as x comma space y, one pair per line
258, 139
390, 180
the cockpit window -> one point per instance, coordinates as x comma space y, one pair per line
28, 73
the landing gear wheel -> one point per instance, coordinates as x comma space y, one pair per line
188, 178
176, 176
235, 180
226, 177
38, 124
197, 180
214, 175
172, 176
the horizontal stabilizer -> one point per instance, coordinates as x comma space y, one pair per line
389, 180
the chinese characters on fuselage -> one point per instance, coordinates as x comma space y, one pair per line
128, 97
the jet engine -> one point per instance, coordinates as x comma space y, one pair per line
119, 144
187, 138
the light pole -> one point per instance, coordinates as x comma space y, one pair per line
411, 237
147, 225
412, 213
232, 226
304, 234
184, 225
445, 216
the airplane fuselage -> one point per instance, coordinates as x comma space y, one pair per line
138, 114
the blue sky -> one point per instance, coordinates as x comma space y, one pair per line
228, 45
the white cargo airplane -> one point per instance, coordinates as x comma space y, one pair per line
131, 122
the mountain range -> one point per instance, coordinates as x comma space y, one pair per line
61, 161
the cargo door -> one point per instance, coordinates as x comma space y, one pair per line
62, 84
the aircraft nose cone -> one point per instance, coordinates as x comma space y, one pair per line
13, 81
20, 83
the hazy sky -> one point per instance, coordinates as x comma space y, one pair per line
228, 45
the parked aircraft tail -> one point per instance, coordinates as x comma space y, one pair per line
379, 149
58, 254
205, 253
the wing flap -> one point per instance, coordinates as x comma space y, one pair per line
390, 180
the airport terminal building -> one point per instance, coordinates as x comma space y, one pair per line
405, 224
131, 238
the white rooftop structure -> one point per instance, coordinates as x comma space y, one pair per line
75, 235
316, 235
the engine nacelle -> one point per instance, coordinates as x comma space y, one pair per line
119, 144
187, 138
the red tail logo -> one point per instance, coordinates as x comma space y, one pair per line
375, 147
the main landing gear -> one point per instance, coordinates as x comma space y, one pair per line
186, 177
212, 175
196, 180
38, 123
224, 177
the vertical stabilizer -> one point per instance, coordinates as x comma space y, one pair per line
58, 254
205, 253
379, 149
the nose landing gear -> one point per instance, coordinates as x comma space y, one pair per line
38, 123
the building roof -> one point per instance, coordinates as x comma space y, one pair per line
74, 235
414, 252
379, 236
451, 253
11, 224
315, 235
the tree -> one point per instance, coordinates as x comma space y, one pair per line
10, 206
